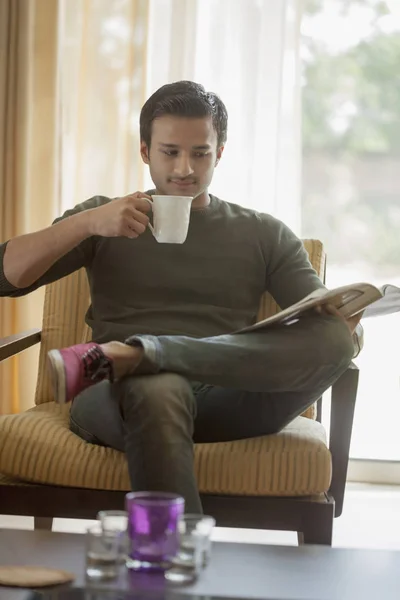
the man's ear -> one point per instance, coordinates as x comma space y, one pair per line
145, 152
219, 154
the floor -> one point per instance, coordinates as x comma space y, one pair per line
371, 519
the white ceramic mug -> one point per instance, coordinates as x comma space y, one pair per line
171, 215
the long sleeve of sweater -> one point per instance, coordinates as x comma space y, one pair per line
78, 257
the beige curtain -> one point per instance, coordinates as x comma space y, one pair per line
103, 71
72, 82
28, 163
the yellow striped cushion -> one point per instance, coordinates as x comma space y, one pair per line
38, 446
67, 300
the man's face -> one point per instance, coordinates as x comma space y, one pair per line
183, 155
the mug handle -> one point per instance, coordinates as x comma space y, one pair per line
150, 225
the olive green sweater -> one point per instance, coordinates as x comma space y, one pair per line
207, 286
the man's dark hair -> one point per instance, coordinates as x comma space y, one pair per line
184, 99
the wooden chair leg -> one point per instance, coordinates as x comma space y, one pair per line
318, 531
43, 523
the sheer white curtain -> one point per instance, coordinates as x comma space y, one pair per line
247, 51
115, 53
102, 70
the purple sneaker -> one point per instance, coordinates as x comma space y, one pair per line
76, 368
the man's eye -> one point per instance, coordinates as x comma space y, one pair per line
200, 154
170, 152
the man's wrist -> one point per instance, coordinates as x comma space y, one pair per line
84, 223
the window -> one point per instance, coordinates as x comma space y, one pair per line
351, 183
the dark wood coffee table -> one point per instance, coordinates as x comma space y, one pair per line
236, 570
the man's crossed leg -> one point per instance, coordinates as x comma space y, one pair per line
251, 384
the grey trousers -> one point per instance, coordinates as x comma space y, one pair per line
207, 390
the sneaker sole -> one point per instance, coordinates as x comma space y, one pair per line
57, 375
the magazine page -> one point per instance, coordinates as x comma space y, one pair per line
349, 300
387, 305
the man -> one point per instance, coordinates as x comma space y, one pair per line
164, 369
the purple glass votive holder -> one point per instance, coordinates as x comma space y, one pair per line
153, 529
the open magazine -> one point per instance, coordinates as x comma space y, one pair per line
349, 300
387, 305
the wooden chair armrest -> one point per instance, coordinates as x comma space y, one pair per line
13, 344
344, 395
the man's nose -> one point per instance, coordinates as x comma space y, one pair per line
183, 165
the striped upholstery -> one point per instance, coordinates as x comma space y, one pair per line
37, 445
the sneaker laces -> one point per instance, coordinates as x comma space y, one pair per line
97, 366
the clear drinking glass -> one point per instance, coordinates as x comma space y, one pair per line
194, 547
103, 551
152, 529
203, 525
113, 520
116, 521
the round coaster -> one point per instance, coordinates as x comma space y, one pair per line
14, 576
